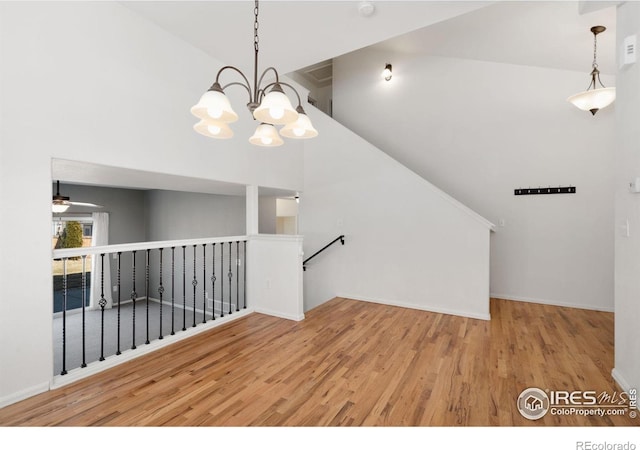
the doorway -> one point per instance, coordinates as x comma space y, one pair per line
287, 216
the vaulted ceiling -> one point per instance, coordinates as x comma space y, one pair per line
302, 34
298, 34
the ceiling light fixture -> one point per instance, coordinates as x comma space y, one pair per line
386, 73
61, 203
594, 98
270, 108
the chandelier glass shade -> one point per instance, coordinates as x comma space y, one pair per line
214, 105
594, 98
300, 129
268, 104
213, 129
266, 135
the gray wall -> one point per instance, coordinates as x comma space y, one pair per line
187, 215
126, 208
267, 211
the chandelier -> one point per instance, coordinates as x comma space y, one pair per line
269, 108
594, 98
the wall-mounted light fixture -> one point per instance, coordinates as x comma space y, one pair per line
386, 73
594, 98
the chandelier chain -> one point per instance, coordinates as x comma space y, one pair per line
256, 39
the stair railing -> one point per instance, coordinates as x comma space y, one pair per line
339, 238
194, 262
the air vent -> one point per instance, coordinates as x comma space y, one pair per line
629, 50
320, 74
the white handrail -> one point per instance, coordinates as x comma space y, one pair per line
82, 251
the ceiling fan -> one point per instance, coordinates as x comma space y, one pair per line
61, 203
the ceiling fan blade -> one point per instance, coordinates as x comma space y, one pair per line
90, 205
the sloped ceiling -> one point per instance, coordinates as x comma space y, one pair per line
550, 34
293, 34
308, 34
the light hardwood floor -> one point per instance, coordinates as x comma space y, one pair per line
349, 363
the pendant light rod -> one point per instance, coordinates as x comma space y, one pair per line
595, 97
269, 108
595, 73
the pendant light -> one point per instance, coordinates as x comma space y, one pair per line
594, 98
269, 105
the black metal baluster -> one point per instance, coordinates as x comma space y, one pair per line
64, 316
134, 295
102, 302
161, 291
173, 291
84, 301
146, 291
119, 301
213, 282
230, 275
237, 276
204, 284
184, 287
244, 279
194, 283
221, 279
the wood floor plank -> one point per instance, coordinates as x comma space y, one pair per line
349, 363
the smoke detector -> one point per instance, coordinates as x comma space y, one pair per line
366, 9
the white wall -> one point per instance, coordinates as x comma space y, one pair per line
478, 130
92, 81
627, 168
274, 274
407, 243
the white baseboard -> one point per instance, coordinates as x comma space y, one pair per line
551, 302
273, 313
622, 382
419, 307
24, 394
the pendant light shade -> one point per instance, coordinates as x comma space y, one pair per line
275, 108
213, 129
214, 105
59, 207
266, 135
594, 98
301, 128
